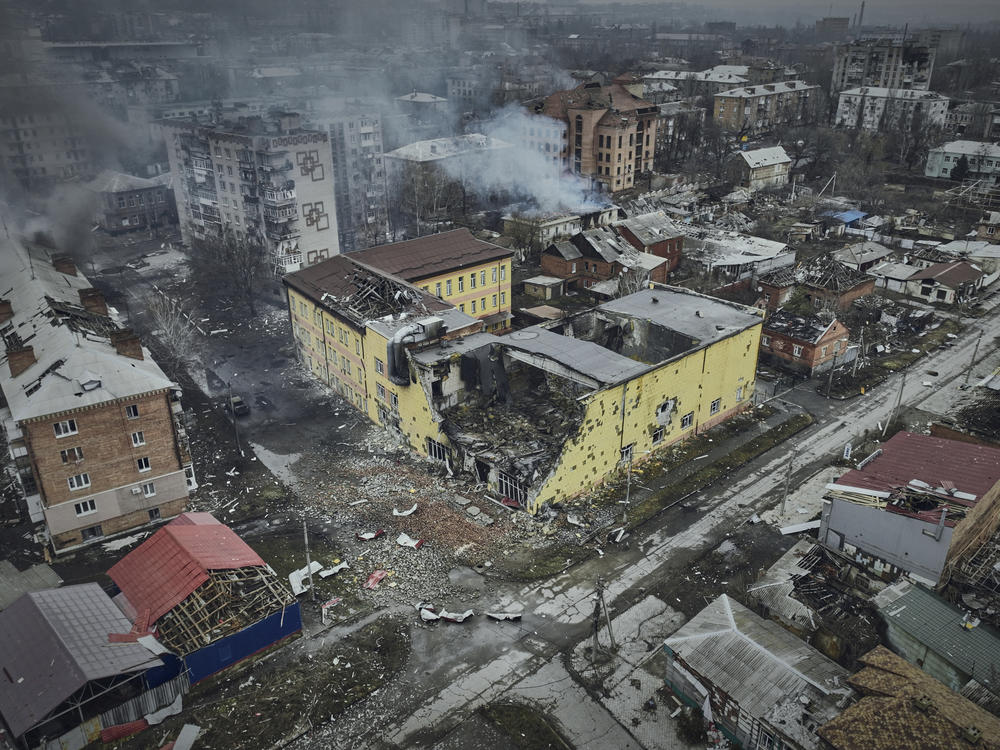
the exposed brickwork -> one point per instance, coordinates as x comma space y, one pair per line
670, 248
20, 359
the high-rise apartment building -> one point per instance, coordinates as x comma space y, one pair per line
886, 63
266, 178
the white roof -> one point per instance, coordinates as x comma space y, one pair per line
544, 281
862, 252
895, 271
707, 76
765, 157
780, 87
881, 92
71, 347
419, 96
443, 148
969, 148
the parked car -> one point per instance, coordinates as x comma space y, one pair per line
237, 406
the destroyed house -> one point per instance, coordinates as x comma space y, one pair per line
654, 233
759, 684
830, 285
862, 256
545, 412
597, 255
903, 708
93, 424
207, 595
69, 669
903, 507
946, 283
807, 345
466, 272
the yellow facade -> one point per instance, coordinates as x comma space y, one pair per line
481, 291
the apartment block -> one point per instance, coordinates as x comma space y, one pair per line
876, 109
93, 425
611, 132
39, 145
756, 109
885, 63
265, 178
982, 159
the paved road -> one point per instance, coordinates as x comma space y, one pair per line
457, 669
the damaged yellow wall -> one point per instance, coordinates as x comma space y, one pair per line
473, 287
710, 385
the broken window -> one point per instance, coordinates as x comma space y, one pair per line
658, 435
437, 451
796, 350
665, 411
716, 405
511, 488
626, 453
687, 420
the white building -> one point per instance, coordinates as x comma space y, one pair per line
762, 168
876, 108
983, 160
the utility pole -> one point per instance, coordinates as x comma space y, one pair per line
972, 362
232, 412
305, 538
829, 382
899, 400
607, 615
788, 479
861, 352
628, 492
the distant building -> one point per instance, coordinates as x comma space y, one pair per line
884, 63
758, 683
755, 109
881, 109
805, 345
989, 227
948, 43
126, 203
92, 423
654, 233
687, 84
862, 256
761, 168
269, 180
983, 160
599, 255
611, 132
833, 27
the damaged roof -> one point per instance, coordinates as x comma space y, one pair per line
809, 329
110, 181
591, 361
888, 716
952, 275
965, 467
53, 642
862, 252
823, 273
166, 568
765, 157
431, 255
651, 228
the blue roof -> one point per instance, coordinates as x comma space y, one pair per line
846, 216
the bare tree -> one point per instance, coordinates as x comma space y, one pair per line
238, 260
175, 328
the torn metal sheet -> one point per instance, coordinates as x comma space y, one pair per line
795, 528
375, 578
367, 536
296, 577
172, 709
574, 520
185, 740
409, 512
456, 617
334, 570
152, 644
405, 540
512, 616
428, 613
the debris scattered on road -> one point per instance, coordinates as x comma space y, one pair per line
511, 616
409, 512
456, 617
297, 577
367, 536
375, 578
334, 570
405, 540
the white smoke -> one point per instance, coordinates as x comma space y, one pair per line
531, 178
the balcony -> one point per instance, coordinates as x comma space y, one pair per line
281, 231
279, 166
281, 197
287, 213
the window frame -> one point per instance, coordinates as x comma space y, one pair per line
79, 481
687, 420
138, 438
65, 428
143, 465
132, 411
85, 507
716, 406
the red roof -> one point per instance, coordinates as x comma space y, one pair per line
968, 467
163, 571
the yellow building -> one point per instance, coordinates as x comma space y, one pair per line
542, 413
472, 275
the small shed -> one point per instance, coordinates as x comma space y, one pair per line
544, 287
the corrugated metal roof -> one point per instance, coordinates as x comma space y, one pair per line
765, 157
755, 661
163, 571
938, 625
970, 468
424, 257
53, 642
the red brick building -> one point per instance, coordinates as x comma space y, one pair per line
654, 234
92, 422
804, 345
598, 255
825, 284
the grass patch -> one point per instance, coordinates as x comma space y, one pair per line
530, 564
259, 704
528, 728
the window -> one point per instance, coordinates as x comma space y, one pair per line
461, 283
494, 300
472, 305
739, 393
189, 477
138, 438
626, 454
716, 405
437, 289
494, 274
482, 304
148, 489
482, 278
79, 481
510, 487
472, 281
379, 366
154, 514
447, 286
462, 307
71, 455
503, 298
143, 463
503, 272
796, 350
85, 507
765, 340
64, 428
93, 532
658, 435
380, 391
687, 420
437, 451
132, 411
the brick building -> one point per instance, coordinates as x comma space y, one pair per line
807, 345
611, 131
757, 109
126, 202
654, 234
598, 255
92, 422
828, 284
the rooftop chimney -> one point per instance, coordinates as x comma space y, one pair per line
126, 343
20, 359
6, 311
64, 264
93, 301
